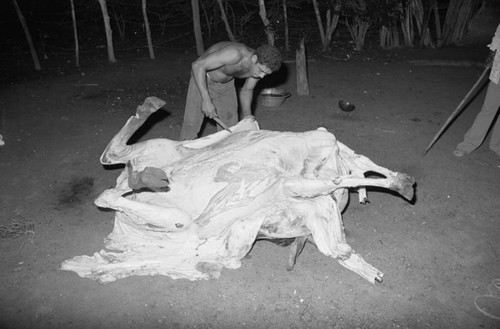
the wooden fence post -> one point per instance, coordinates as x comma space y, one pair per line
301, 63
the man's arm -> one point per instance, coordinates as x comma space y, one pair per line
246, 96
210, 62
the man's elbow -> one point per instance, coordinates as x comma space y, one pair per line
196, 67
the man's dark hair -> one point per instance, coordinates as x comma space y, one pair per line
269, 56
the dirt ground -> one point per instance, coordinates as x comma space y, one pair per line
440, 254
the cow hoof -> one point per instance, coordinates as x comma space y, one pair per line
150, 105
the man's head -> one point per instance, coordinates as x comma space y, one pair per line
268, 60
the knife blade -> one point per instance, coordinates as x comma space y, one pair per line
222, 124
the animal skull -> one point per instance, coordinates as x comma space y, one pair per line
186, 209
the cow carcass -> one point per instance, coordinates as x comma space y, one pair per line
186, 209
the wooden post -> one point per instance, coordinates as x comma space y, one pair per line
301, 63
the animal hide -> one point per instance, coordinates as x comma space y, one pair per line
186, 209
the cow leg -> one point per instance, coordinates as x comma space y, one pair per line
117, 150
297, 186
359, 163
146, 214
328, 236
295, 249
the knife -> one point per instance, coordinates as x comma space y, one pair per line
219, 121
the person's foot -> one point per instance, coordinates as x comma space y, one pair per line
458, 153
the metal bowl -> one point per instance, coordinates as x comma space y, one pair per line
346, 106
273, 97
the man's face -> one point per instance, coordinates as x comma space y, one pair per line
260, 70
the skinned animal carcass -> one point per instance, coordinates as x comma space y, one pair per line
186, 209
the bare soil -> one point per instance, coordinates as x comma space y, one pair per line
440, 253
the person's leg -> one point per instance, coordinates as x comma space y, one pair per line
193, 117
495, 133
226, 104
495, 138
477, 132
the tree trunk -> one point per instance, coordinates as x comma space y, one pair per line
439, 36
425, 35
226, 23
265, 21
120, 22
197, 27
109, 32
75, 34
285, 16
27, 33
458, 15
358, 30
301, 62
331, 24
318, 20
148, 30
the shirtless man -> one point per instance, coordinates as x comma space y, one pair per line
211, 91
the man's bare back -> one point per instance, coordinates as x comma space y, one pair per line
234, 58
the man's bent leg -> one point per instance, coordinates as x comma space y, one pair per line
193, 117
226, 104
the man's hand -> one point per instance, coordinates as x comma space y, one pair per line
208, 109
491, 58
